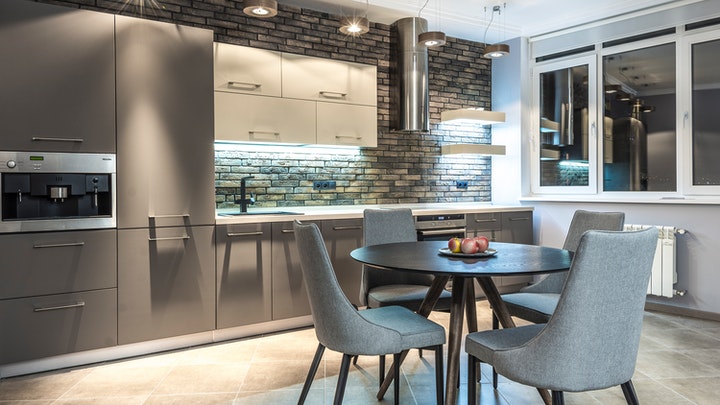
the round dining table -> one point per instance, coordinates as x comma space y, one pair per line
433, 257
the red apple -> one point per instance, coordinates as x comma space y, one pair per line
482, 242
469, 246
454, 245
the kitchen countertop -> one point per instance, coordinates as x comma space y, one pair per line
269, 214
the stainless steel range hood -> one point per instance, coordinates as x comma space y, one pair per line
412, 81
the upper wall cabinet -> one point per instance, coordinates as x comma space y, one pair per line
58, 78
328, 80
240, 69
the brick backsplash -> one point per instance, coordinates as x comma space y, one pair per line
403, 168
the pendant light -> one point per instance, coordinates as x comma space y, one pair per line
260, 8
355, 26
431, 38
496, 50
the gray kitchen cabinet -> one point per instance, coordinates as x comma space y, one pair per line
289, 296
517, 227
166, 282
58, 293
342, 236
488, 224
165, 162
244, 285
57, 78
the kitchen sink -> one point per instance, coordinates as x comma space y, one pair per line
236, 214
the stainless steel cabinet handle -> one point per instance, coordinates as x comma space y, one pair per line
231, 234
480, 221
169, 238
347, 228
271, 133
170, 216
332, 94
55, 245
519, 219
78, 304
51, 139
288, 231
348, 137
244, 85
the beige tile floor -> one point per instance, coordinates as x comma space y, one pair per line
679, 363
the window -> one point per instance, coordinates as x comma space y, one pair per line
705, 99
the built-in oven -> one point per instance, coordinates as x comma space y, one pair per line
56, 191
440, 227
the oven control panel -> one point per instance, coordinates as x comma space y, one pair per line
444, 221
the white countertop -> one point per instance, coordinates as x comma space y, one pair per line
355, 211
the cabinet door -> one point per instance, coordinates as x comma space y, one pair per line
244, 287
240, 69
309, 78
486, 224
517, 227
58, 79
166, 282
164, 124
289, 294
341, 237
345, 124
57, 262
49, 325
241, 117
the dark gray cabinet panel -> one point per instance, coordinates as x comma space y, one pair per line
164, 124
289, 296
57, 78
166, 282
49, 325
57, 262
244, 285
341, 237
488, 224
517, 227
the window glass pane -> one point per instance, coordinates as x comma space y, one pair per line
639, 149
705, 115
564, 127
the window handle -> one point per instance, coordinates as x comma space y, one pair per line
686, 117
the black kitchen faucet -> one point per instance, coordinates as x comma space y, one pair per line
243, 201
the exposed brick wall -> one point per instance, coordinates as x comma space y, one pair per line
404, 168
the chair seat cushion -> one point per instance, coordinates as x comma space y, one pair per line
533, 307
405, 295
415, 331
483, 345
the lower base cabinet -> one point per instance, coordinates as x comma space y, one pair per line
289, 296
342, 236
49, 325
166, 282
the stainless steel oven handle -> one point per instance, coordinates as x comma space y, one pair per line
436, 232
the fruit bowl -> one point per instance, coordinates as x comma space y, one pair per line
486, 253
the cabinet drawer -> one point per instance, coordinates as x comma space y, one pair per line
45, 326
346, 125
57, 262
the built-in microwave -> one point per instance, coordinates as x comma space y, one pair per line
56, 191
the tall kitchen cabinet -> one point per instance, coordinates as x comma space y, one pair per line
165, 203
57, 79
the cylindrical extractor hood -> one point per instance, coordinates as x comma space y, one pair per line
412, 78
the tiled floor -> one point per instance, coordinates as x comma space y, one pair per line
679, 363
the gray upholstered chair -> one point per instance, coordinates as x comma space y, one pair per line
591, 340
381, 288
339, 326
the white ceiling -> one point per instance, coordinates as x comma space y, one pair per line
468, 19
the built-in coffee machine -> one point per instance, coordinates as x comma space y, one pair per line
56, 191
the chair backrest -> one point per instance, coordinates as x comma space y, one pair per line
338, 326
582, 221
592, 338
388, 226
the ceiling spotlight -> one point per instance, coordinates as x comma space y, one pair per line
354, 26
260, 8
432, 38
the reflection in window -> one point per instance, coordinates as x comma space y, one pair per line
564, 127
705, 116
639, 149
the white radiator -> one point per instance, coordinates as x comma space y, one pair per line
664, 274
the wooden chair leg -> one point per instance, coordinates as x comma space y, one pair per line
472, 380
381, 369
558, 398
439, 388
311, 373
629, 393
396, 382
342, 379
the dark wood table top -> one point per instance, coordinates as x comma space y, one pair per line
511, 259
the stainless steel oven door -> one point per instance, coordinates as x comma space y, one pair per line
440, 234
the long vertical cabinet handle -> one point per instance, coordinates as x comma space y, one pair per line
78, 304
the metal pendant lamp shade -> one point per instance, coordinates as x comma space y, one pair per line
354, 26
496, 51
260, 8
432, 38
